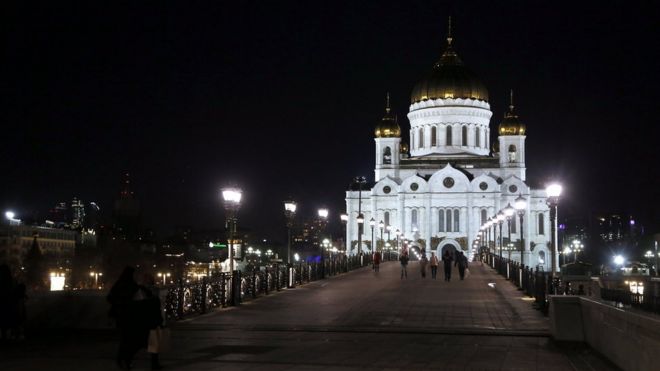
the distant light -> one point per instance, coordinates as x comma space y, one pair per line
562, 226
619, 260
290, 206
210, 244
232, 195
553, 190
323, 213
10, 215
632, 221
296, 256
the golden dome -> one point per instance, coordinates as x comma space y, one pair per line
388, 126
511, 125
449, 79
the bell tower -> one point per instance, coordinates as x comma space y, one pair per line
512, 143
388, 141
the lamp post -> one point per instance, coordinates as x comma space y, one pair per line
290, 213
344, 220
389, 230
500, 220
360, 223
521, 205
508, 214
381, 225
360, 180
488, 224
553, 192
398, 235
232, 202
164, 276
323, 221
372, 224
577, 247
96, 276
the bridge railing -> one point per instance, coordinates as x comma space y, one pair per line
532, 281
185, 299
647, 302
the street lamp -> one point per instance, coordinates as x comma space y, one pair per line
577, 247
96, 276
398, 235
508, 214
360, 180
290, 213
389, 230
521, 205
232, 202
553, 192
381, 225
619, 260
500, 220
164, 276
344, 220
372, 224
360, 223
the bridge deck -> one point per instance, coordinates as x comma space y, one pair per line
359, 320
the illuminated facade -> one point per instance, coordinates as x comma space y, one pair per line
440, 190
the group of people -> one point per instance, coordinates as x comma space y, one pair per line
459, 260
12, 306
137, 312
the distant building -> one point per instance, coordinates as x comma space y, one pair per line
77, 214
57, 245
126, 212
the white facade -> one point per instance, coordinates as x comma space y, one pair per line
442, 193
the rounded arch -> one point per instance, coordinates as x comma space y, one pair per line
447, 244
406, 185
457, 182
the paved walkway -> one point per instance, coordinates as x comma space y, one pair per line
354, 321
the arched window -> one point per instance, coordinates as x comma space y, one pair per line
449, 141
412, 139
421, 138
457, 224
484, 216
448, 219
512, 153
413, 218
513, 223
387, 156
441, 220
464, 137
541, 223
387, 218
434, 136
542, 257
478, 138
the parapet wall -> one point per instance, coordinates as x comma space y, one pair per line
629, 339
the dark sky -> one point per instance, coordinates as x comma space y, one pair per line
281, 97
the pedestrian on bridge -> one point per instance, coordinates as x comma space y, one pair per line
446, 260
404, 264
434, 265
462, 263
377, 259
423, 262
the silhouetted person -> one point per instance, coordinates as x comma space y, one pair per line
7, 302
462, 263
446, 260
423, 262
124, 299
404, 265
434, 265
377, 261
154, 319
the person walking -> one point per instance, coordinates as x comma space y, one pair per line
153, 316
125, 299
377, 259
434, 265
7, 302
462, 263
404, 265
446, 260
423, 262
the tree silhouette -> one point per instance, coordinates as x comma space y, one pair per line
34, 266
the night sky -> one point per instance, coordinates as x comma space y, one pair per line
281, 98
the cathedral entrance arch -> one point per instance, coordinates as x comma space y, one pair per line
447, 244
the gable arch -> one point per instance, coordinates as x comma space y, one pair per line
461, 183
378, 188
422, 185
475, 185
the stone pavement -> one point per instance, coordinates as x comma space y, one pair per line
354, 321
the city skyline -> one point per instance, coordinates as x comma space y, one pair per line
282, 101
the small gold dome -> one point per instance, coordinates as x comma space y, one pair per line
511, 125
388, 126
403, 148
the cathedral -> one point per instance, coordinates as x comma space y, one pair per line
438, 192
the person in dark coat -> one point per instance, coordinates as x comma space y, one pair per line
377, 261
446, 260
462, 263
126, 308
153, 315
7, 302
404, 264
